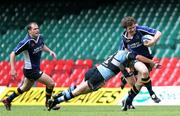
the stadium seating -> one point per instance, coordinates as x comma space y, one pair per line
79, 33
85, 35
70, 72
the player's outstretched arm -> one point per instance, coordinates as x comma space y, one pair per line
149, 61
12, 63
156, 37
46, 49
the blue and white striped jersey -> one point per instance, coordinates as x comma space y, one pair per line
116, 63
135, 45
31, 49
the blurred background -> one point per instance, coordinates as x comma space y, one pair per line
84, 32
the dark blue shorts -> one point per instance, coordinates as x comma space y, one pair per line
94, 78
32, 74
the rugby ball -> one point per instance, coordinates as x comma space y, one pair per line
147, 38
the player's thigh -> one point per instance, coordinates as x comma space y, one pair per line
46, 79
141, 67
26, 84
94, 79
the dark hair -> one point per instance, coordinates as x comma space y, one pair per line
127, 21
29, 25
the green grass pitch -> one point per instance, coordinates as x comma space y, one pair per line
92, 111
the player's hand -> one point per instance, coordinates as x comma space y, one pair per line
13, 73
146, 43
53, 54
149, 43
157, 65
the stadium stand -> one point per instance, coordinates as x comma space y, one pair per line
83, 34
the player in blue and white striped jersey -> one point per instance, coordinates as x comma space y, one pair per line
131, 40
31, 47
96, 77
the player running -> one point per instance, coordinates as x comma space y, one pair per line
31, 47
132, 40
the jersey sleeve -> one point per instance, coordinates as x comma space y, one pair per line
147, 30
22, 45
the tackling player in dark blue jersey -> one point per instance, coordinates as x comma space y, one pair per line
132, 40
96, 77
31, 47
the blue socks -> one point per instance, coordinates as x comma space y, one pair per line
66, 95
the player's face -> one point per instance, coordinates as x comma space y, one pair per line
131, 29
34, 32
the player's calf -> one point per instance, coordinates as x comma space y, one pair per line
128, 102
123, 82
63, 93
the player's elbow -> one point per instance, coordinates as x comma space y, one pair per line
12, 54
138, 57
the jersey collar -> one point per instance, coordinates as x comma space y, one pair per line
35, 40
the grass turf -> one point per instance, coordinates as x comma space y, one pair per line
91, 111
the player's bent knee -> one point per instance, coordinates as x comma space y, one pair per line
51, 85
145, 80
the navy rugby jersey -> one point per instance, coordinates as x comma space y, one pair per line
115, 63
31, 49
135, 45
